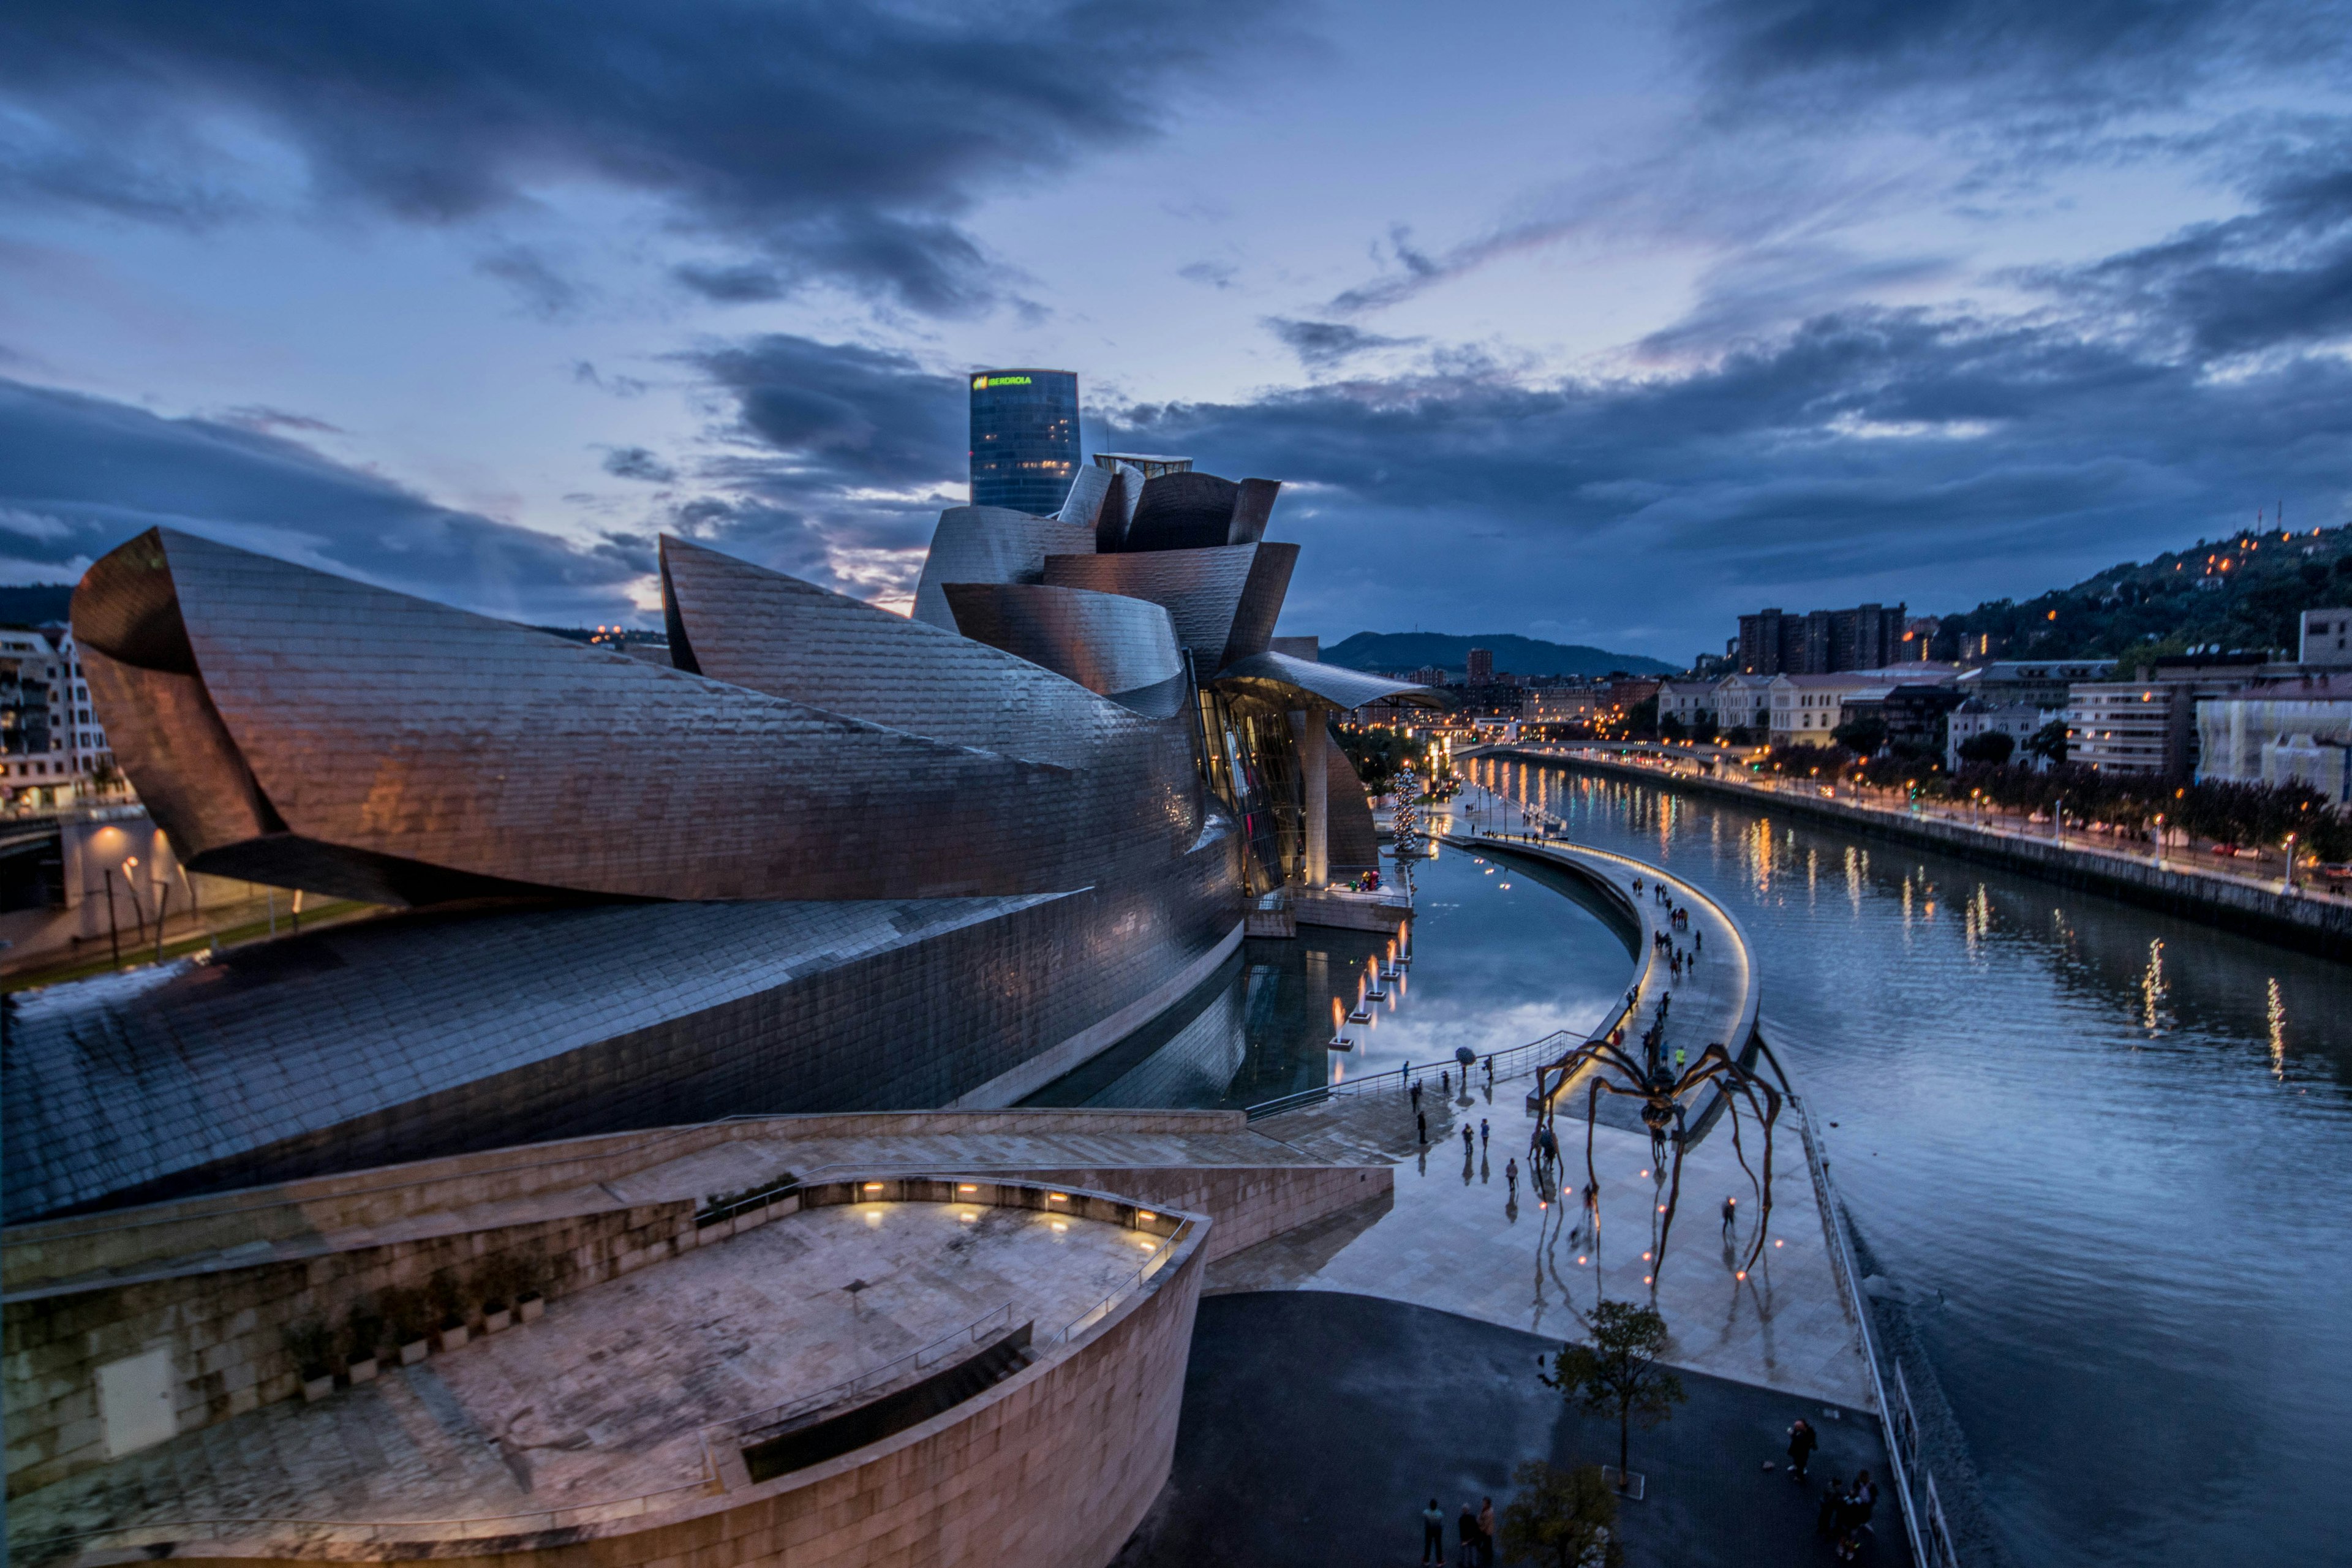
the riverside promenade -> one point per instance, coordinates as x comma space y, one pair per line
1457, 1239
2303, 919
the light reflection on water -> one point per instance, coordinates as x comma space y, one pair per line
1497, 960
2115, 1146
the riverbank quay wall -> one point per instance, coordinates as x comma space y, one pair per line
2310, 925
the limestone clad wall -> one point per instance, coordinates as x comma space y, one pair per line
233, 1332
1052, 1469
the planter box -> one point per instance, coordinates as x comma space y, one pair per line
363, 1370
498, 1321
529, 1307
413, 1352
316, 1385
453, 1335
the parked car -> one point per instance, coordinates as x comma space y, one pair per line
2228, 851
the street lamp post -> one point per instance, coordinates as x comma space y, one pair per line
2160, 840
2288, 885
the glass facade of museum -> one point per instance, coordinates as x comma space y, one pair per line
1024, 438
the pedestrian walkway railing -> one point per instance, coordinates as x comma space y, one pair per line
1901, 1437
749, 1429
1506, 1064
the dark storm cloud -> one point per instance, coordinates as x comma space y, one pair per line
79, 475
544, 292
2091, 56
1321, 345
2278, 276
1889, 455
637, 463
840, 142
839, 455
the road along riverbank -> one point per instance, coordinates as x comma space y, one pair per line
2311, 925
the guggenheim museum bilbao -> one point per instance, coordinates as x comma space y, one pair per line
824, 858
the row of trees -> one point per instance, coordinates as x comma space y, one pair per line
2224, 813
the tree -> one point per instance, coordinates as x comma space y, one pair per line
2047, 742
1992, 746
1863, 736
1617, 1373
1562, 1516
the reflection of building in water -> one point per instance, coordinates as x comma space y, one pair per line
1257, 1031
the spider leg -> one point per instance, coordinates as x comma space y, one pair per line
1673, 1202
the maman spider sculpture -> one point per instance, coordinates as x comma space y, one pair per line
1660, 1090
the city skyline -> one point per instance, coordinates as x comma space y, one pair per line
1680, 314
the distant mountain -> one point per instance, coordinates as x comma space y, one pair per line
35, 603
1520, 656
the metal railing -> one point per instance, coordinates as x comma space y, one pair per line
1102, 1309
760, 1422
1841, 1264
1508, 1063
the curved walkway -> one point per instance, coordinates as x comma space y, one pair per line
1455, 1238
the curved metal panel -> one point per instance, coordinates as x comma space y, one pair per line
990, 544
1253, 510
1222, 602
1331, 683
761, 630
1124, 648
452, 753
1186, 511
1117, 515
1083, 505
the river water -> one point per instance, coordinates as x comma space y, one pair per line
2105, 1154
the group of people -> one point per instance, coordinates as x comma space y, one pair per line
1846, 1508
1473, 1531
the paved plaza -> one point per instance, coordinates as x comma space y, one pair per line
1317, 1426
1456, 1240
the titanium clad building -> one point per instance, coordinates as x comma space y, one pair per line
897, 861
1024, 438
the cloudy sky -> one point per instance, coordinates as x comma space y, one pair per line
1592, 322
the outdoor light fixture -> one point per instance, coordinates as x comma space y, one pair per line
1145, 1215
966, 1187
873, 1186
1057, 1197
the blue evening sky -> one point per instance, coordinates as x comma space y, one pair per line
1597, 322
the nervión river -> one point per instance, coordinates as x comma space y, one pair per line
2107, 1155
2103, 1154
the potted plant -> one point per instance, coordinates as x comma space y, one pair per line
366, 1331
442, 1292
312, 1344
406, 1314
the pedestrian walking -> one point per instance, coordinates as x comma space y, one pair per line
1698, 938
1421, 1123
1482, 1133
1416, 1094
1730, 1221
1466, 1141
1825, 1517
1511, 1174
1485, 1532
1861, 1501
1465, 1536
1680, 1057
1433, 1535
1803, 1441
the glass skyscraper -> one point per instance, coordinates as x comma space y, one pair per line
1024, 438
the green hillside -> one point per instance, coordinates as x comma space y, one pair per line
1518, 655
2243, 593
